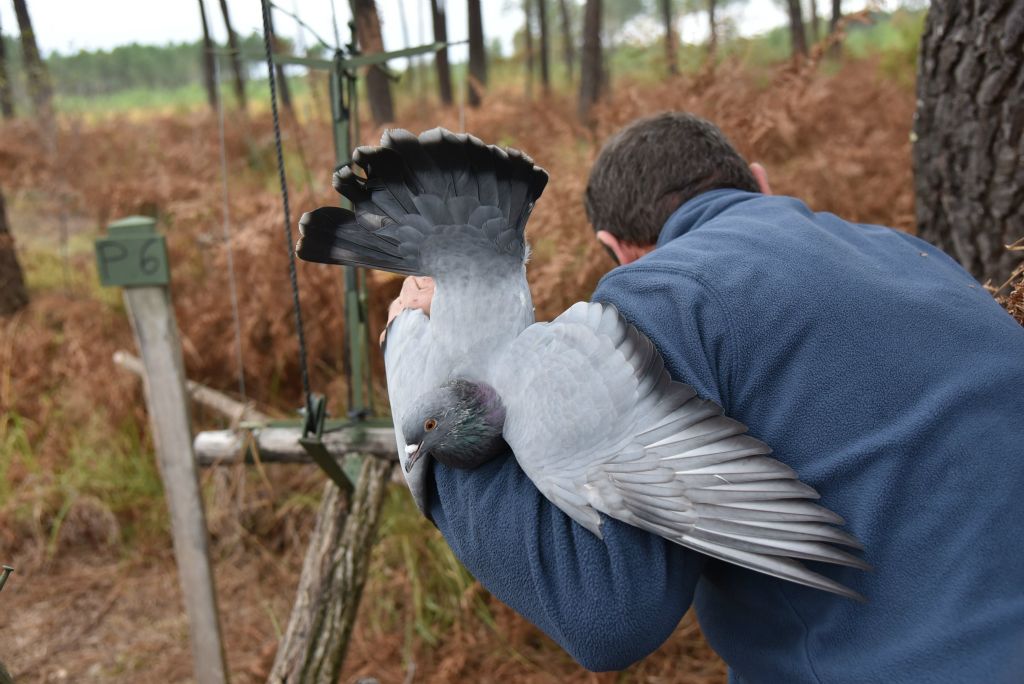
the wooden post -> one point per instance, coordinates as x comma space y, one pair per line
333, 574
135, 257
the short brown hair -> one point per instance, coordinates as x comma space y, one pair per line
652, 166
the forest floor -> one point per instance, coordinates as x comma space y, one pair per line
96, 596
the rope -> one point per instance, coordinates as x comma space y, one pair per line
303, 364
226, 232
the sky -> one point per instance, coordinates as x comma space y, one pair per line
70, 25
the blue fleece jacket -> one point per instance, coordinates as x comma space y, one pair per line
876, 368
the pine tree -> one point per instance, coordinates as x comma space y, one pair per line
444, 73
40, 87
968, 172
591, 71
236, 56
378, 88
13, 294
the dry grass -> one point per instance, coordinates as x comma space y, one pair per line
80, 510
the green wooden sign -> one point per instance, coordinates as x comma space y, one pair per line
133, 253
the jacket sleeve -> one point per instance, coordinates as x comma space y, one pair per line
607, 602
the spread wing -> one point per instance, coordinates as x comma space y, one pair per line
409, 367
597, 424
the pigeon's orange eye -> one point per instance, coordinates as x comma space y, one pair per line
430, 424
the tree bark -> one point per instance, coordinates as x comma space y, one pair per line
712, 29
236, 56
13, 294
413, 67
6, 98
378, 88
528, 47
283, 91
545, 67
667, 15
209, 80
835, 47
444, 73
798, 39
40, 88
968, 133
815, 32
837, 14
568, 46
331, 585
477, 54
591, 65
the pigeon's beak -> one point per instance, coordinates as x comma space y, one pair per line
414, 454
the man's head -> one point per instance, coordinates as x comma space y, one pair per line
649, 169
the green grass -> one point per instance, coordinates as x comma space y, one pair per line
46, 271
172, 100
112, 468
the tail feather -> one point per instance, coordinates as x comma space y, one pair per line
331, 235
438, 183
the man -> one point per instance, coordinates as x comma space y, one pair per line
875, 367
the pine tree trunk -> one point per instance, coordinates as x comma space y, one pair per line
40, 88
477, 54
968, 135
591, 65
815, 33
670, 36
528, 47
412, 68
209, 80
444, 73
283, 91
835, 47
6, 98
13, 295
378, 88
798, 39
568, 46
712, 29
236, 57
313, 648
545, 66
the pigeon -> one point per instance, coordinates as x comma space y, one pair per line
583, 402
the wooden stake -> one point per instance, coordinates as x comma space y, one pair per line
333, 574
156, 333
281, 444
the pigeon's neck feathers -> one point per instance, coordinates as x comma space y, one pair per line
477, 423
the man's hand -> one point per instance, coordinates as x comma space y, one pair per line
417, 293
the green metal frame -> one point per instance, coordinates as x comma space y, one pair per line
344, 105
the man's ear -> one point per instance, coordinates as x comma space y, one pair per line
761, 176
625, 252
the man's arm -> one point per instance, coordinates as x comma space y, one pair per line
607, 602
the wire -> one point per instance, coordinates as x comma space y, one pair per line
226, 231
323, 43
334, 19
303, 363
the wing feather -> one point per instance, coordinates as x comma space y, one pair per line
409, 364
599, 426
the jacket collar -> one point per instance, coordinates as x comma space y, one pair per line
699, 210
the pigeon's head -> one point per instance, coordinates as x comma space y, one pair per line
459, 424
